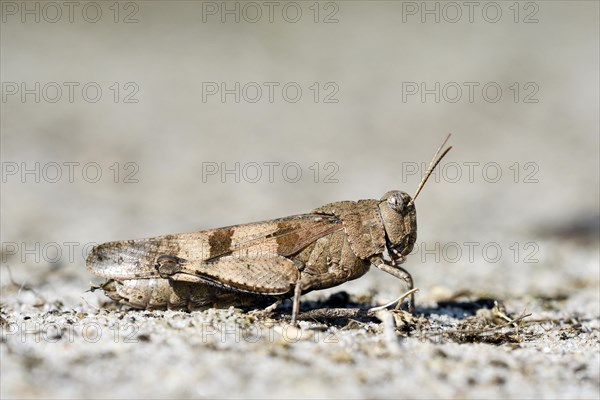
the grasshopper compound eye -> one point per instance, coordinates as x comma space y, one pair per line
396, 202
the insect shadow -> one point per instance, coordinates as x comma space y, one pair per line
458, 309
338, 308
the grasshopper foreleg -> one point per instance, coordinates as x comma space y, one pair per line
398, 272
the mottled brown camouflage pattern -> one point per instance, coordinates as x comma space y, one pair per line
256, 263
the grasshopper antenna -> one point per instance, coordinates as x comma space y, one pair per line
434, 162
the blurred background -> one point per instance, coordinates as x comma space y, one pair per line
123, 120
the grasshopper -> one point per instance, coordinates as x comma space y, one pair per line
264, 262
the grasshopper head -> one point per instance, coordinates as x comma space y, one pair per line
400, 222
398, 212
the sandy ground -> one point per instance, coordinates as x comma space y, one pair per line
507, 258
